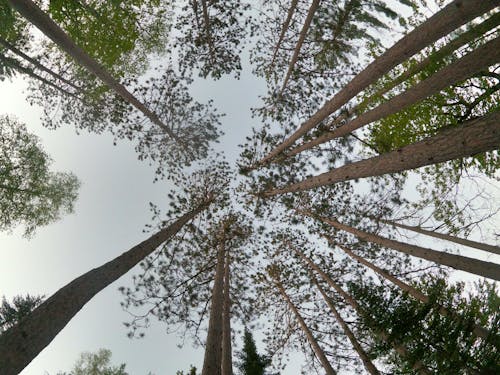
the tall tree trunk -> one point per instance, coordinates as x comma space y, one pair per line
227, 353
440, 24
415, 293
21, 344
471, 265
481, 58
472, 137
312, 341
213, 350
367, 363
461, 241
29, 10
208, 33
284, 29
382, 335
302, 37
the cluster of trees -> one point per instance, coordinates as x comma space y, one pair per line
312, 235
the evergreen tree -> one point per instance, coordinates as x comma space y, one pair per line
250, 362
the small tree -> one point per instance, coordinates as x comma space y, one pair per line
251, 362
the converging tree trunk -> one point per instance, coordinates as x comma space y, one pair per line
227, 354
449, 18
23, 342
284, 29
472, 137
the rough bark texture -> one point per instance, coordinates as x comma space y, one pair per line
213, 350
440, 24
461, 241
23, 342
284, 29
227, 353
480, 59
29, 10
478, 267
312, 341
473, 137
367, 363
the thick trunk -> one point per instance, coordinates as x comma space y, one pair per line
470, 138
284, 29
367, 363
461, 241
440, 24
213, 349
415, 293
312, 341
29, 10
227, 353
22, 343
478, 267
479, 59
302, 37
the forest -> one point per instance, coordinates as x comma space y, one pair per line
317, 183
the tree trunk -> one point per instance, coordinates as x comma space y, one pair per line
208, 33
481, 58
312, 341
284, 29
471, 265
29, 10
367, 363
440, 24
472, 137
302, 37
21, 344
415, 293
461, 241
227, 353
213, 350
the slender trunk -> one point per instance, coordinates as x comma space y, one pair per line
227, 353
37, 64
29, 10
440, 24
213, 349
284, 29
208, 33
367, 363
461, 241
21, 344
481, 58
471, 265
415, 293
302, 37
312, 341
382, 335
472, 137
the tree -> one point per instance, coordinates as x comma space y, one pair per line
13, 312
98, 363
251, 362
30, 194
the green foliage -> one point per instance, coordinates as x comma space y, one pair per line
12, 312
251, 362
30, 194
192, 371
98, 363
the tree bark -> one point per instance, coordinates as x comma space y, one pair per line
440, 24
415, 293
367, 363
471, 265
284, 29
23, 342
479, 59
472, 137
227, 353
29, 10
208, 33
302, 37
461, 241
312, 341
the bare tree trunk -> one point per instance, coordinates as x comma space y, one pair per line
440, 24
312, 341
415, 293
461, 241
227, 353
471, 265
208, 33
367, 363
302, 37
481, 58
213, 350
22, 343
472, 137
42, 21
284, 29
